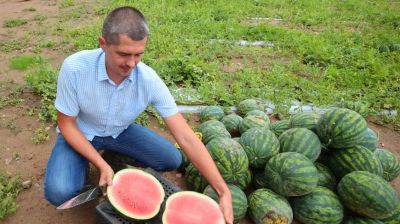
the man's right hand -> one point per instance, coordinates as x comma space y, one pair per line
106, 175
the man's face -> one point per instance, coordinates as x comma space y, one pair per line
122, 58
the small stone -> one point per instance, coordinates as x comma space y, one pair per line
8, 161
27, 184
178, 175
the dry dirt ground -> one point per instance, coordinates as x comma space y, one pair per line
19, 154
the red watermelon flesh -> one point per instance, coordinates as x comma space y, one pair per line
136, 194
191, 207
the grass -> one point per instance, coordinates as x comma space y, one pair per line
324, 51
24, 61
9, 189
9, 23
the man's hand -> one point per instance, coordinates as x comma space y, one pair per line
106, 174
225, 203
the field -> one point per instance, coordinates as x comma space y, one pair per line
208, 53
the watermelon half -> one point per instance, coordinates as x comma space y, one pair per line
136, 194
191, 207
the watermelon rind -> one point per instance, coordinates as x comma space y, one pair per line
291, 174
239, 200
266, 206
368, 195
120, 208
320, 206
390, 164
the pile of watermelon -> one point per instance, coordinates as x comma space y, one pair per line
313, 168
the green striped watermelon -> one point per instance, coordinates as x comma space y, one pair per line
258, 113
340, 128
231, 123
320, 206
325, 177
252, 121
368, 194
239, 200
307, 120
358, 107
260, 145
344, 161
278, 127
230, 159
390, 164
301, 140
394, 217
248, 105
265, 206
291, 174
211, 113
194, 179
368, 139
362, 220
212, 129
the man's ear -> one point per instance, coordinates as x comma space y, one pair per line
102, 42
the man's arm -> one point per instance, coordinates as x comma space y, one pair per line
201, 159
78, 141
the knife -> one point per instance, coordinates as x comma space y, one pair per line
84, 197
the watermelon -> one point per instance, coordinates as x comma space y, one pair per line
291, 174
212, 129
252, 121
278, 127
211, 113
307, 120
368, 195
231, 123
358, 107
265, 206
194, 179
344, 161
248, 105
390, 164
239, 200
394, 217
362, 220
230, 159
301, 140
260, 145
340, 128
320, 206
325, 177
258, 113
136, 194
368, 139
191, 207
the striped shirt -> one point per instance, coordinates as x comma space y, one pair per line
102, 108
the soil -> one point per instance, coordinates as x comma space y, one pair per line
19, 155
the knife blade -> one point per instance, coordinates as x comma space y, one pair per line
83, 197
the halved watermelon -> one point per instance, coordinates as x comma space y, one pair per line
191, 207
136, 194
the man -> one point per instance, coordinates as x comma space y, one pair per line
99, 93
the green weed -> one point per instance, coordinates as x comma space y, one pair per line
11, 45
14, 22
24, 61
39, 18
9, 189
66, 3
41, 135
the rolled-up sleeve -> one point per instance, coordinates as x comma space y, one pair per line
66, 99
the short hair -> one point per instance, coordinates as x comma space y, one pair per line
124, 20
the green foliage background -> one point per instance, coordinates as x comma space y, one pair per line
324, 50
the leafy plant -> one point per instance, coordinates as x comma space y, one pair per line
41, 135
14, 22
22, 62
10, 187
